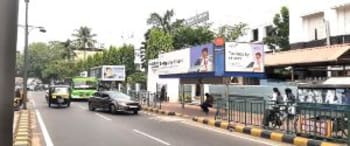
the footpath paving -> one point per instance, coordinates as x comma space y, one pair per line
197, 115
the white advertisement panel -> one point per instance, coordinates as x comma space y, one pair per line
174, 62
113, 73
244, 57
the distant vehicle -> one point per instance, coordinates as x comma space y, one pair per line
58, 94
83, 87
113, 101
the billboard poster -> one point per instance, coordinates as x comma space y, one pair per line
113, 73
175, 62
202, 58
244, 57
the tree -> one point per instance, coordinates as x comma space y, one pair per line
158, 41
84, 38
231, 33
163, 22
278, 36
190, 36
137, 77
69, 49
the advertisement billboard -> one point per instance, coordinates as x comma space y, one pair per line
244, 57
113, 73
174, 62
202, 58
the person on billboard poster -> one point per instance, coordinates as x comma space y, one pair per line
257, 64
205, 61
108, 73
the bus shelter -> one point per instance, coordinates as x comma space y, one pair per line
212, 63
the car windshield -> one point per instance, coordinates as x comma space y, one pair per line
118, 95
61, 90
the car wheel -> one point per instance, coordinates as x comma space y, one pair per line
112, 109
91, 108
136, 112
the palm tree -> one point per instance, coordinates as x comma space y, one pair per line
162, 22
69, 49
84, 38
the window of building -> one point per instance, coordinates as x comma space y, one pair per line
255, 35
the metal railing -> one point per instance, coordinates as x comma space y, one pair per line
312, 120
146, 98
324, 121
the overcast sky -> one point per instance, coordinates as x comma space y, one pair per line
112, 19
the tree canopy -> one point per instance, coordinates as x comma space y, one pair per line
278, 36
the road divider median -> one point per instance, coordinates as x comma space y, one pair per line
22, 133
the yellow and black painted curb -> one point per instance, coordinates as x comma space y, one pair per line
214, 123
23, 134
280, 137
182, 115
158, 111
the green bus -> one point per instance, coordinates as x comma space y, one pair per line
83, 87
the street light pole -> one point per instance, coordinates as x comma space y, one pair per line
8, 38
25, 76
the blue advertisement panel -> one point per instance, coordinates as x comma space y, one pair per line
219, 61
202, 58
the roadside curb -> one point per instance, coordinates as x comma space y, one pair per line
158, 111
275, 136
155, 110
214, 123
23, 134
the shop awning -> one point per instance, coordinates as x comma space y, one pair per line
306, 56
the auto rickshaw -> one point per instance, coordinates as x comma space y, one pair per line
59, 94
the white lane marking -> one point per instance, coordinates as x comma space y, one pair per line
103, 117
82, 107
47, 138
151, 137
234, 134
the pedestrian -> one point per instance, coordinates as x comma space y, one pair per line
273, 107
290, 98
207, 103
291, 101
276, 96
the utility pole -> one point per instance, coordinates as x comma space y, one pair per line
26, 61
8, 39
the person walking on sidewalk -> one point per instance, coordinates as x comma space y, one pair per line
207, 103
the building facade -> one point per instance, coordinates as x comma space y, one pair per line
315, 23
319, 40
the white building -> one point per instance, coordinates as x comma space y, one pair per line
313, 20
172, 85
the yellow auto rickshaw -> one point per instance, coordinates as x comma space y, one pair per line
59, 95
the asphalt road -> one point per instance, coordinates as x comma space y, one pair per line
77, 126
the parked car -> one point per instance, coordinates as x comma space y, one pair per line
113, 101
